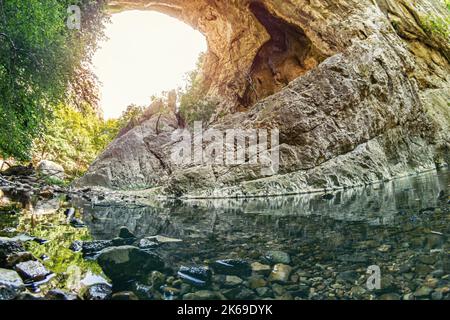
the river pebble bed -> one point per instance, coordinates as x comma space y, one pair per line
387, 241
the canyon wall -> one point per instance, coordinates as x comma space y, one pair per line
359, 91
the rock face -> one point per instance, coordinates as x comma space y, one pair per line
358, 90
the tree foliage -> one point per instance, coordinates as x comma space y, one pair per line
195, 105
42, 64
74, 139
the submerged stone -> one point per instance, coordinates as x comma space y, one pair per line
237, 267
276, 256
196, 276
99, 291
280, 273
57, 294
128, 262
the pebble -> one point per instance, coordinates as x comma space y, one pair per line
280, 273
232, 281
276, 256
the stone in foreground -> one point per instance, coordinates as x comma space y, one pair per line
128, 262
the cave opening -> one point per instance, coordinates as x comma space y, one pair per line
287, 55
145, 54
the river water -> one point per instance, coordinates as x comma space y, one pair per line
318, 246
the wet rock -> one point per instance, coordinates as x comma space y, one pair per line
201, 295
69, 213
328, 196
423, 292
11, 284
301, 291
142, 291
437, 295
118, 242
280, 273
8, 246
236, 267
427, 259
157, 280
77, 223
390, 296
257, 282
163, 239
147, 244
260, 268
92, 247
385, 248
348, 276
245, 294
30, 296
170, 292
124, 295
277, 256
58, 294
76, 246
196, 276
124, 233
128, 262
99, 291
32, 271
44, 257
264, 292
15, 258
232, 281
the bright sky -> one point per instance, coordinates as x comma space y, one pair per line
146, 53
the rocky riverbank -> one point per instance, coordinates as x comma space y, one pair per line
87, 244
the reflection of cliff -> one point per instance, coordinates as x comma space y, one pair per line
279, 216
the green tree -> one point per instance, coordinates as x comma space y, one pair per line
74, 139
194, 104
42, 64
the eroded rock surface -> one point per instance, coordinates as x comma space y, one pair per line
359, 91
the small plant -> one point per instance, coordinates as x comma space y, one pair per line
194, 104
56, 181
438, 25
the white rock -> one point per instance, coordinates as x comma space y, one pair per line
51, 169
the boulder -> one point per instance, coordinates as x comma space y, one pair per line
11, 284
32, 271
128, 262
50, 169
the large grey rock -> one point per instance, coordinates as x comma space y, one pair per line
375, 109
51, 169
11, 285
128, 262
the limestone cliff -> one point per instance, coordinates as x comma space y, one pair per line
359, 90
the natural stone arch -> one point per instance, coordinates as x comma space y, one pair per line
372, 106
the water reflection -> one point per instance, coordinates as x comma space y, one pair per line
381, 204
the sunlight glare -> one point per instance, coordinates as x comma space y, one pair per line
146, 53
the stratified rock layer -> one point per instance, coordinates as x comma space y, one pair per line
359, 91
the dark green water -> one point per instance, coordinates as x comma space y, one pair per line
401, 226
